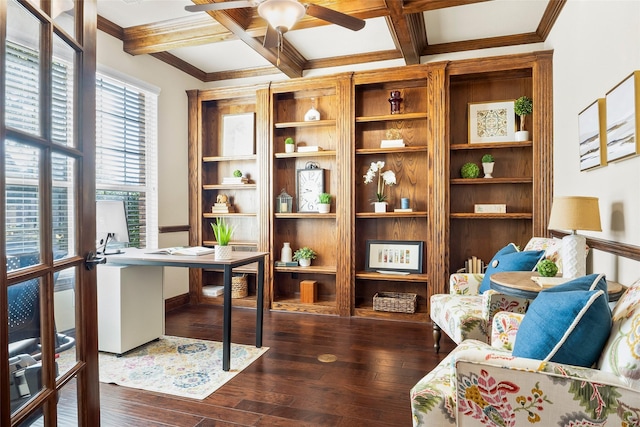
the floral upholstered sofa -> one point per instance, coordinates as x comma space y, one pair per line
466, 312
479, 384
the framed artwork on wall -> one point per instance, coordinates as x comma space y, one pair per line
238, 135
403, 256
592, 135
492, 122
310, 183
623, 106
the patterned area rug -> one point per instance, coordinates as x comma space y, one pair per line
177, 366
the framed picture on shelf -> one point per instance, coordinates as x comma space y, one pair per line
591, 131
238, 135
492, 122
389, 256
309, 183
623, 105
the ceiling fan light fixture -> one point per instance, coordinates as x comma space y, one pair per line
281, 14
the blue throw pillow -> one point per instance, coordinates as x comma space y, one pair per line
510, 259
569, 323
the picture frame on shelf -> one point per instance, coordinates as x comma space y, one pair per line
592, 135
238, 134
623, 108
309, 185
394, 256
492, 122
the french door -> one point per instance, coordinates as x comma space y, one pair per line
48, 320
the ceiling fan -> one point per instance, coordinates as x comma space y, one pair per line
282, 15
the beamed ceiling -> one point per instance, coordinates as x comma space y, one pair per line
221, 45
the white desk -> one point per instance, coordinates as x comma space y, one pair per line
239, 258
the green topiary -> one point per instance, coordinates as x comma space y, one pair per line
547, 268
237, 173
470, 170
487, 158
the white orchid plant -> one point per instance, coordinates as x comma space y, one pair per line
387, 177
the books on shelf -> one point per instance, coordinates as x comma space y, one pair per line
474, 265
212, 290
391, 143
184, 250
227, 180
222, 208
286, 263
490, 208
403, 210
308, 148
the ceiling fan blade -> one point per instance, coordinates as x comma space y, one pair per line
270, 38
335, 17
220, 5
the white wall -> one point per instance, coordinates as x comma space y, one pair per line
173, 200
596, 45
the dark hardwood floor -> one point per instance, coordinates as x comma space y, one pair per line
368, 385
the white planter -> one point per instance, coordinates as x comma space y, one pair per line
380, 206
324, 207
304, 262
223, 252
488, 169
522, 135
289, 148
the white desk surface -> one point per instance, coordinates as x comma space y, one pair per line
134, 256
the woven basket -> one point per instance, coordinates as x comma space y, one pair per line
239, 286
396, 302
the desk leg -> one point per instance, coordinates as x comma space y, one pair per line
226, 321
259, 302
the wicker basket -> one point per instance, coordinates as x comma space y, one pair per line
396, 302
239, 286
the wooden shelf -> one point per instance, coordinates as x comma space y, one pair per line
462, 215
361, 311
294, 304
230, 214
244, 244
489, 145
229, 186
305, 215
391, 117
214, 159
413, 149
489, 181
312, 269
416, 214
372, 275
309, 124
323, 153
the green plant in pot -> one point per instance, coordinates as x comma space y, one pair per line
304, 256
324, 202
523, 107
223, 233
487, 165
289, 145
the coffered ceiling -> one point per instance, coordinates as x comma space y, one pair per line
220, 45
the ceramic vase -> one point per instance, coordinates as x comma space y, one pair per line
289, 148
488, 169
324, 207
286, 254
380, 206
223, 252
304, 262
522, 135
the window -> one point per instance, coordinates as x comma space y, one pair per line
126, 146
126, 143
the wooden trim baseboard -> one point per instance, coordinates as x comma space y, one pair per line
625, 250
176, 302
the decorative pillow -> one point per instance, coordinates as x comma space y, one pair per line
510, 259
552, 249
621, 354
569, 323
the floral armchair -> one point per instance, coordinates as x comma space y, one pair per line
479, 384
465, 313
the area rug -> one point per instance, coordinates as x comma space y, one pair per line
178, 366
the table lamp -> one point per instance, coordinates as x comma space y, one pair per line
574, 213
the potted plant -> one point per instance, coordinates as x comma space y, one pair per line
237, 173
324, 202
289, 145
487, 165
469, 170
523, 107
222, 232
387, 177
304, 256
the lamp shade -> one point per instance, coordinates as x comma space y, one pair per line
281, 14
575, 213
